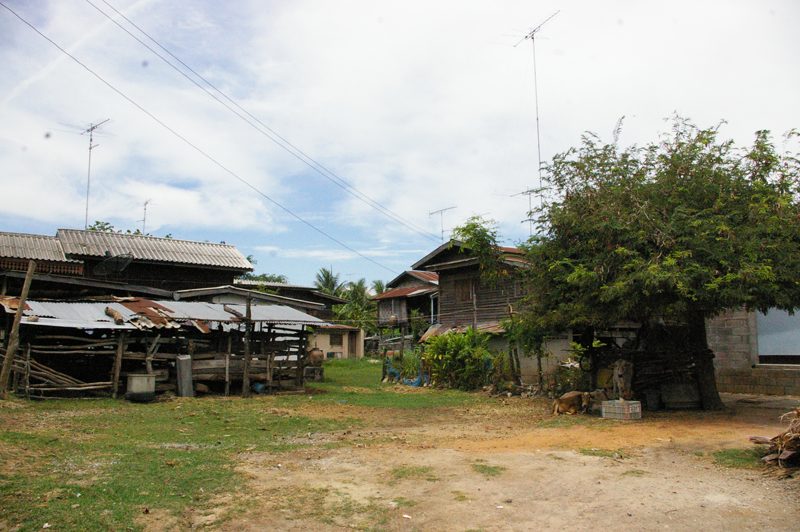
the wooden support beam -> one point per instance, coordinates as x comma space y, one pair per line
118, 364
248, 327
151, 352
13, 339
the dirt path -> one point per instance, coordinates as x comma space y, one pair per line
501, 467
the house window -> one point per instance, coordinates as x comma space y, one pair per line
336, 339
463, 289
778, 337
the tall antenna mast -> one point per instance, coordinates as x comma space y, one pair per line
144, 216
441, 212
92, 146
532, 36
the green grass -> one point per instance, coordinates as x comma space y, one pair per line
749, 458
358, 383
488, 470
403, 502
413, 473
96, 465
123, 458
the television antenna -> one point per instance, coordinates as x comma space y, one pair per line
144, 215
90, 130
441, 212
532, 36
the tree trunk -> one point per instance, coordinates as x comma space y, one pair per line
704, 362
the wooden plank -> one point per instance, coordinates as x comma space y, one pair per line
13, 339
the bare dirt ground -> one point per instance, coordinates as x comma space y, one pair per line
511, 466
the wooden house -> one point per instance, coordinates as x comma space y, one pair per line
465, 300
412, 290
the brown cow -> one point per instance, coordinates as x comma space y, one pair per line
572, 403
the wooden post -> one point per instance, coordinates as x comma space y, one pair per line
247, 351
270, 358
4, 288
228, 365
28, 372
301, 357
118, 364
151, 352
13, 339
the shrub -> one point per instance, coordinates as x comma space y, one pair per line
459, 360
409, 366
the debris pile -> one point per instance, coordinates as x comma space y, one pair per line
784, 449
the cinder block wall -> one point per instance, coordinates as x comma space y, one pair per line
733, 336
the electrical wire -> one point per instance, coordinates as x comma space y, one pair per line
197, 148
252, 121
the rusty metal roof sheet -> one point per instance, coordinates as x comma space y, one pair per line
36, 247
406, 291
418, 275
79, 243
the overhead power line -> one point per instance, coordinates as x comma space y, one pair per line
197, 148
256, 123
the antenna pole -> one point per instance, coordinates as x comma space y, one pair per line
532, 36
92, 146
144, 216
440, 212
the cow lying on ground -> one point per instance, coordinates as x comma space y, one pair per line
572, 403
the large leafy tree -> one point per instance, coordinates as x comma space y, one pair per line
678, 231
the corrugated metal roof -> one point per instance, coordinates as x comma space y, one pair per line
80, 243
194, 293
406, 291
76, 315
147, 314
419, 275
431, 277
36, 247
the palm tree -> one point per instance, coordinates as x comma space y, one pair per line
378, 286
328, 282
359, 311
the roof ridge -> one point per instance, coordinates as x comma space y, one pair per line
14, 233
87, 231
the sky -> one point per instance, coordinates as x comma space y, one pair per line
349, 122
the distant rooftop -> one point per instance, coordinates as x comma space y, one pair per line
34, 247
78, 244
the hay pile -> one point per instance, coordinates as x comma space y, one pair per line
784, 449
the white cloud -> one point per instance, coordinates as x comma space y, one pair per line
420, 105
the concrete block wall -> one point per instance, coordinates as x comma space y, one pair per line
733, 336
